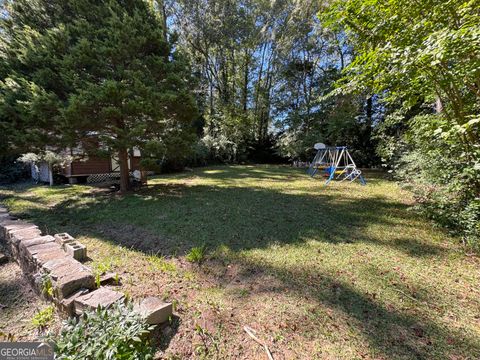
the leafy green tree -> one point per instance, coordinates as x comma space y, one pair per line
263, 67
99, 73
223, 41
424, 58
425, 52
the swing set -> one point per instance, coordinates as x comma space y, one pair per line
336, 163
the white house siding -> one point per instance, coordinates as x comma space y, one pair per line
40, 172
34, 171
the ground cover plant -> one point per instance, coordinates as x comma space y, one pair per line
114, 333
344, 271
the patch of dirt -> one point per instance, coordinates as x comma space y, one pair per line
212, 303
162, 190
18, 305
214, 308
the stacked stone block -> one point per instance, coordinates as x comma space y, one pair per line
57, 258
40, 256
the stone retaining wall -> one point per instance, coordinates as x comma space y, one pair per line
50, 269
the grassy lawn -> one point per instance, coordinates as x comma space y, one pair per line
337, 272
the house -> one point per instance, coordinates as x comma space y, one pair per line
81, 168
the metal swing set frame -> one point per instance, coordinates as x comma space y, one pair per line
336, 162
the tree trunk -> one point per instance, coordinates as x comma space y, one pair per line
143, 177
245, 81
124, 173
164, 19
369, 111
438, 105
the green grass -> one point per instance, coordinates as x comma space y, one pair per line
196, 254
343, 271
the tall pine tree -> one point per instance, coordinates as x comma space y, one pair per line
90, 71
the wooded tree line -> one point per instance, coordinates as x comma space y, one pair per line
198, 82
263, 69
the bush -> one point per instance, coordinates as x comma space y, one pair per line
442, 172
265, 151
12, 170
470, 222
220, 148
114, 333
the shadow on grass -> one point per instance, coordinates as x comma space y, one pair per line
171, 219
392, 333
162, 335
